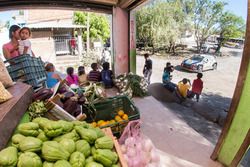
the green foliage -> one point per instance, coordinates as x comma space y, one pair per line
99, 25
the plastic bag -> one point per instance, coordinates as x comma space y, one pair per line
4, 94
4, 75
137, 148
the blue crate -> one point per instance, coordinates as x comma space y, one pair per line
27, 69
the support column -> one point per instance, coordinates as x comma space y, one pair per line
132, 42
120, 40
79, 39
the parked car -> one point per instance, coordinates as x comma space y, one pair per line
199, 63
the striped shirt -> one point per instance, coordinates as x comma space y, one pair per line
94, 76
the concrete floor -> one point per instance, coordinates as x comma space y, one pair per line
179, 144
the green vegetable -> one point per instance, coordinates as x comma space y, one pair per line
41, 121
48, 164
72, 135
29, 159
116, 165
89, 159
93, 164
53, 151
87, 134
30, 144
67, 126
16, 139
28, 129
83, 147
93, 150
42, 136
52, 129
36, 109
77, 159
104, 143
81, 123
106, 157
98, 131
8, 157
62, 163
69, 145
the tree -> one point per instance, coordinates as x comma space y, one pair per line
99, 25
207, 14
230, 26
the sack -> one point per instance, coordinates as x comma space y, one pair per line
4, 75
4, 94
137, 148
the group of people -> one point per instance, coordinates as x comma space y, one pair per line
19, 43
81, 78
182, 89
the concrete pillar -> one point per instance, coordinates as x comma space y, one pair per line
79, 39
120, 40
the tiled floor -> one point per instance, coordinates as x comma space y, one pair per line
180, 145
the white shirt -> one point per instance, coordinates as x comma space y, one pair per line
25, 43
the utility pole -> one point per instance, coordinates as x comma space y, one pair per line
88, 33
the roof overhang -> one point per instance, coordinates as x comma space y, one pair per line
43, 25
104, 6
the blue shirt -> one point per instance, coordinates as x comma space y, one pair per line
51, 82
165, 77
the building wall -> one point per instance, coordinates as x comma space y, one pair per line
43, 45
40, 15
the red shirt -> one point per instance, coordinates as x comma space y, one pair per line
197, 86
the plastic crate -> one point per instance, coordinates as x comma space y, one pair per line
27, 69
107, 110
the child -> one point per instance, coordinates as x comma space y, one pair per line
52, 77
106, 75
197, 87
24, 43
94, 75
183, 88
71, 77
82, 77
147, 69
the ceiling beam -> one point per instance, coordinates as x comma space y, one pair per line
125, 3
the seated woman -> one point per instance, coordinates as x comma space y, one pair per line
82, 76
166, 79
71, 77
52, 77
106, 75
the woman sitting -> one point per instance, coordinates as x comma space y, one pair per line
52, 77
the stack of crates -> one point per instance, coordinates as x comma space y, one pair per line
27, 69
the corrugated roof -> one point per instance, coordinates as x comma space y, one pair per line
53, 25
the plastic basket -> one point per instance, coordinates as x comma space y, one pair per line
27, 69
107, 110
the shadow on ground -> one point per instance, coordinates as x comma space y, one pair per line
206, 116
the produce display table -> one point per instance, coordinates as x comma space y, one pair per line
13, 110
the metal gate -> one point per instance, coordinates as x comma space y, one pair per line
62, 45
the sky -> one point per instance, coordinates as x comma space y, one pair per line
238, 7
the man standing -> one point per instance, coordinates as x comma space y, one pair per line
147, 70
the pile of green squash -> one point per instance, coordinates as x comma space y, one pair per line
47, 143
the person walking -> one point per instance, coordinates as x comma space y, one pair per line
147, 69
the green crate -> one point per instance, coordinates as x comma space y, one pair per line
107, 110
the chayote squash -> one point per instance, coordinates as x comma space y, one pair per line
30, 144
106, 157
52, 129
98, 131
87, 134
67, 126
53, 151
8, 157
42, 136
41, 121
62, 163
81, 123
89, 159
93, 164
83, 147
48, 164
16, 139
69, 145
77, 159
28, 129
29, 159
93, 150
105, 142
72, 135
116, 165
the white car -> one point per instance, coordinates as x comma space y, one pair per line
200, 63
